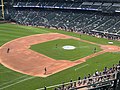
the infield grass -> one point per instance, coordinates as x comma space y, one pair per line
54, 49
11, 80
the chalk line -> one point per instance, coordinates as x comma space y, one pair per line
13, 80
81, 66
17, 82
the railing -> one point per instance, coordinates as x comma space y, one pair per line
106, 80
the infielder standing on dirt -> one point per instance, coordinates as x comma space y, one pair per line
8, 50
45, 69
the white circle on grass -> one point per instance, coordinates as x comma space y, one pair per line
69, 47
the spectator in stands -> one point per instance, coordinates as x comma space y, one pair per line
98, 77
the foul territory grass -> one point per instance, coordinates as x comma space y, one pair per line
54, 49
11, 80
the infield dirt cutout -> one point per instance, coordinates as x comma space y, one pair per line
24, 60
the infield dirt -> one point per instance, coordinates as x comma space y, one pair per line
21, 59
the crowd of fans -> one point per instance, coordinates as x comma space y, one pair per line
87, 22
93, 5
98, 79
84, 22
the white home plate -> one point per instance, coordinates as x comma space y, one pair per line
68, 47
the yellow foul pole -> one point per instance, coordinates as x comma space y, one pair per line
2, 2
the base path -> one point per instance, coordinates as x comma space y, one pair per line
24, 60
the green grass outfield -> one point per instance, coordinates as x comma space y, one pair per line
57, 52
10, 80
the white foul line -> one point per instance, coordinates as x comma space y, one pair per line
17, 82
13, 80
81, 66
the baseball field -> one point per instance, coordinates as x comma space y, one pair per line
90, 53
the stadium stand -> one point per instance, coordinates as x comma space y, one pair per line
70, 21
0, 10
98, 18
100, 80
